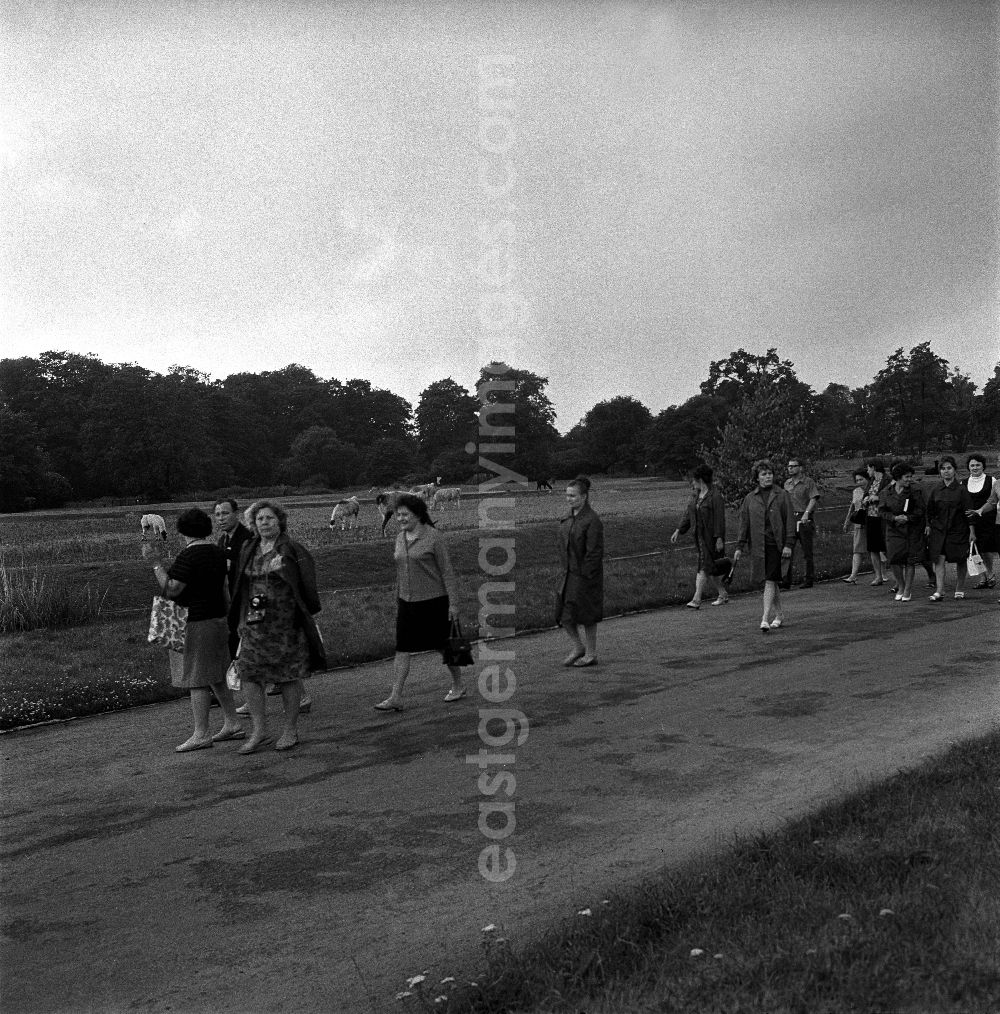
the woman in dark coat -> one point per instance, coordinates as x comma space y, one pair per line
581, 595
902, 506
767, 527
948, 530
980, 488
705, 515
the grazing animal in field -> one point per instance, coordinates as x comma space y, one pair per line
344, 511
447, 495
385, 504
427, 490
543, 484
153, 527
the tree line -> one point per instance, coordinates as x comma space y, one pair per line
76, 428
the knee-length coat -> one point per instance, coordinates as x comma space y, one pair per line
904, 542
581, 545
949, 535
707, 517
776, 504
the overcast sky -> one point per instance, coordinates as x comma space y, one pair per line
234, 187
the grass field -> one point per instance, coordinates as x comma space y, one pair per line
105, 664
886, 901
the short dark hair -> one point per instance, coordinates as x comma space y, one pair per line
417, 506
760, 465
703, 472
976, 456
948, 459
194, 523
900, 469
232, 504
582, 483
279, 513
877, 463
860, 471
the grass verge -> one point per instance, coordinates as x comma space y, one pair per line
886, 901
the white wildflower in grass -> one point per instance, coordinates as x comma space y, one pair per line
403, 995
415, 981
696, 952
605, 902
844, 915
584, 911
812, 950
886, 911
440, 999
718, 957
447, 978
489, 929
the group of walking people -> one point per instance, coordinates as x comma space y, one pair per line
252, 596
900, 527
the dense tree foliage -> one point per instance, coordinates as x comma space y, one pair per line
77, 428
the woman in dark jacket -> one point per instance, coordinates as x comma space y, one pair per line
581, 595
767, 526
197, 580
274, 604
705, 515
902, 507
948, 530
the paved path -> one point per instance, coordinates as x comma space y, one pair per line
138, 879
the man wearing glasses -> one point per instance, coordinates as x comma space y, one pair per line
804, 494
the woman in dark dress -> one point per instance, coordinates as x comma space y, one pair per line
949, 532
426, 597
705, 516
197, 580
767, 528
903, 509
980, 487
875, 526
581, 594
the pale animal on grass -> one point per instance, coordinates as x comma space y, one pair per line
447, 495
153, 527
427, 490
344, 511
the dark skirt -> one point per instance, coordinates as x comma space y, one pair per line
987, 534
953, 545
905, 546
772, 562
423, 625
875, 534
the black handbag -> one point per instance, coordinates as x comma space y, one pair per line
458, 650
723, 566
858, 517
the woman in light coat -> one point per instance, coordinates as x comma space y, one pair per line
767, 528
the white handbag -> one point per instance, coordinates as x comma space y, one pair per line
974, 565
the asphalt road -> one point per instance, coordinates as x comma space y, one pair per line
137, 879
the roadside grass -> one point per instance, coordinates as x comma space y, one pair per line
31, 598
106, 664
888, 900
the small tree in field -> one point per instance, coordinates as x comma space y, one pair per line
771, 423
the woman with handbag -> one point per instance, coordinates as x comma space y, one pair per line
273, 607
856, 522
581, 595
197, 580
983, 515
878, 479
705, 516
427, 597
767, 528
948, 531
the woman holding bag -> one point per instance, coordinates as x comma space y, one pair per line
197, 580
983, 514
705, 515
427, 597
856, 522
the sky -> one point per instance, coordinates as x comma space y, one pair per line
611, 195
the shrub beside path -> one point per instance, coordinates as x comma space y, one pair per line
138, 879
